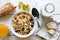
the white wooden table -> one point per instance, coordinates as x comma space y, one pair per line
34, 3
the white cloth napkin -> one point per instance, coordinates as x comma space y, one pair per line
43, 33
56, 18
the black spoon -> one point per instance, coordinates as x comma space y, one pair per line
35, 13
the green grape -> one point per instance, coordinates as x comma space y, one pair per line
27, 7
24, 7
20, 4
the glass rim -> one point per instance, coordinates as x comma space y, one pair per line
50, 4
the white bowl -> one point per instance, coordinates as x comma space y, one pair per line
27, 35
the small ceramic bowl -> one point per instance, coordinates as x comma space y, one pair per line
48, 10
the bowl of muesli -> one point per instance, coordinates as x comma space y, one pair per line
23, 24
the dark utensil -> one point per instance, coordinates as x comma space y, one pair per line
38, 17
35, 13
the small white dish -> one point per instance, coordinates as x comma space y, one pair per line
47, 10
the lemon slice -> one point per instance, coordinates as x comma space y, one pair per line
3, 30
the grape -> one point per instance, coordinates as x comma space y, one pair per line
24, 7
28, 7
20, 5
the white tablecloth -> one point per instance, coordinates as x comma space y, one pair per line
33, 3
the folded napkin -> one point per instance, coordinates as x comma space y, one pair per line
56, 18
43, 33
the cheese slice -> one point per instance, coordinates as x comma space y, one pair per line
51, 31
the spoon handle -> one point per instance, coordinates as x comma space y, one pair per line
39, 20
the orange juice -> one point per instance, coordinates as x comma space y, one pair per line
4, 31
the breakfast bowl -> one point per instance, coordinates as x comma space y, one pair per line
23, 24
